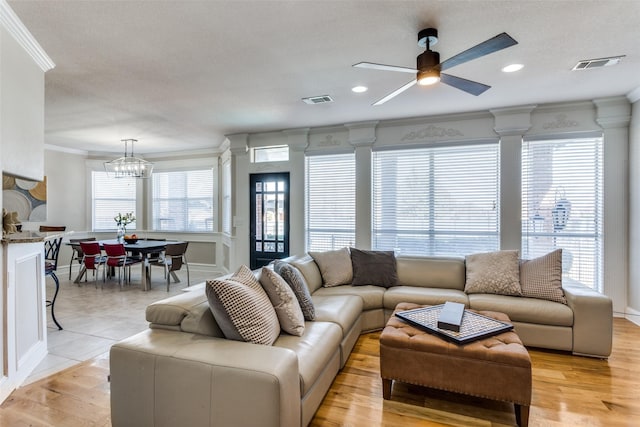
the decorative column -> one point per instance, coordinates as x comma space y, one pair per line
362, 136
297, 140
239, 249
511, 124
614, 116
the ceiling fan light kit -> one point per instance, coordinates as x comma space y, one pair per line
429, 68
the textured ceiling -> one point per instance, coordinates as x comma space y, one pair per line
179, 75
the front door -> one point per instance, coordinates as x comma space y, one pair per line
269, 234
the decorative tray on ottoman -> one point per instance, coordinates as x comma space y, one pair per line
474, 326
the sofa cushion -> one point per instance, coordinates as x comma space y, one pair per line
298, 284
315, 349
243, 311
343, 310
309, 270
422, 296
284, 301
542, 277
372, 296
335, 266
431, 272
525, 310
493, 273
374, 268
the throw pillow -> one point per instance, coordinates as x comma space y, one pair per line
493, 273
243, 312
298, 284
542, 277
374, 268
284, 301
335, 267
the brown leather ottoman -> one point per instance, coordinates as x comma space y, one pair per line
497, 367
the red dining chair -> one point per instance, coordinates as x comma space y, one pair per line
92, 258
117, 257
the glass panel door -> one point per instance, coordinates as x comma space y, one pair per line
269, 237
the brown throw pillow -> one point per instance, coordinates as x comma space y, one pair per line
542, 277
374, 268
493, 273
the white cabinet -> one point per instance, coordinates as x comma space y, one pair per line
24, 338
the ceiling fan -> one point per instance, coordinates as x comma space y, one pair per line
429, 67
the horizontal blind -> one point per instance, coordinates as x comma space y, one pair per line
330, 207
437, 200
562, 204
111, 196
183, 201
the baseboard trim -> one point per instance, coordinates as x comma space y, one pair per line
632, 315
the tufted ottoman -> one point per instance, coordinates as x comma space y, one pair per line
497, 367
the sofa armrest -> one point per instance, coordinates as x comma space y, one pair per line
168, 378
592, 320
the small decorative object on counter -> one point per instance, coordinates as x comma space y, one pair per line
10, 222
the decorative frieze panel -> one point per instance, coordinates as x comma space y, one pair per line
432, 132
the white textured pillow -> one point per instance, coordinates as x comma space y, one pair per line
542, 277
493, 273
243, 310
284, 301
335, 267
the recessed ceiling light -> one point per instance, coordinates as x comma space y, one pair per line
359, 89
512, 68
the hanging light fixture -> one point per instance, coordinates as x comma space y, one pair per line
129, 166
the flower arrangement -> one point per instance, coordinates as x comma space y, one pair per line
123, 220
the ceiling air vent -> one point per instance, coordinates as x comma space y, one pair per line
597, 63
318, 99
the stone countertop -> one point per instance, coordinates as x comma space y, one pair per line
31, 236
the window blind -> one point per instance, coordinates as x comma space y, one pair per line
183, 201
111, 196
440, 200
330, 208
562, 204
226, 198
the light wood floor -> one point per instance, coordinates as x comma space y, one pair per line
567, 391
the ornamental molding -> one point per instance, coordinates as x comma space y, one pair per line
329, 142
561, 121
21, 34
432, 131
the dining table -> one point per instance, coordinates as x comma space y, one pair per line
143, 247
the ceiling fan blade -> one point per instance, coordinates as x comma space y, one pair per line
383, 67
395, 93
469, 86
499, 42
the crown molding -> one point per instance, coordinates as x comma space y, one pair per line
21, 34
634, 95
60, 149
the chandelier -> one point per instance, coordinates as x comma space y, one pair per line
128, 166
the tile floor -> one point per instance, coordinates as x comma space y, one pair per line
94, 319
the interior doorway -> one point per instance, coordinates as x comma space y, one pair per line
269, 205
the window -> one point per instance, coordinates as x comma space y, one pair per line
439, 200
276, 153
111, 196
183, 201
562, 204
226, 197
330, 207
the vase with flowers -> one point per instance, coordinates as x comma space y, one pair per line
122, 220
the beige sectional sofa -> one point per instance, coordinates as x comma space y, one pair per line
182, 371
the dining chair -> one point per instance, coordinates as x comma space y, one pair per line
173, 259
92, 259
76, 251
117, 257
51, 252
44, 228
